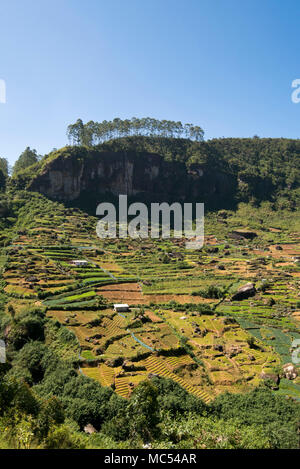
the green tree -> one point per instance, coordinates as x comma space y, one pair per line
27, 158
4, 166
144, 411
2, 180
51, 413
63, 437
99, 132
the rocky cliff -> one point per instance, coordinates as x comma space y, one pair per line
77, 173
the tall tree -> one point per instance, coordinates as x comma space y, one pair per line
27, 158
98, 132
4, 166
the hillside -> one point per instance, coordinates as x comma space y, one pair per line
203, 357
220, 172
78, 361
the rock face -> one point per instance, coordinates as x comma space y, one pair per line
70, 176
89, 428
241, 234
244, 292
266, 376
290, 371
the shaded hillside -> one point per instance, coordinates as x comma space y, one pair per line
219, 172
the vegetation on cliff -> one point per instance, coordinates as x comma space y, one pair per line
255, 169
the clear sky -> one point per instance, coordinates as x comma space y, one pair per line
226, 65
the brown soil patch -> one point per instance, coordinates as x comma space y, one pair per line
211, 240
123, 293
153, 316
296, 315
288, 250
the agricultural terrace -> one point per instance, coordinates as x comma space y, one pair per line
183, 323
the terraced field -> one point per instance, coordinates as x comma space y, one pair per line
183, 323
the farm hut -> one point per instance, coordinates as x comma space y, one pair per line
121, 308
80, 262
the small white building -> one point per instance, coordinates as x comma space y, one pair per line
80, 262
121, 308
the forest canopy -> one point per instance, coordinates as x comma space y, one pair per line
93, 133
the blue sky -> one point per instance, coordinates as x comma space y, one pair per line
226, 65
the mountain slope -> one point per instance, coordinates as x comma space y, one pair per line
220, 172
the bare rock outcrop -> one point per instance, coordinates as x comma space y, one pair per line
79, 173
244, 292
290, 371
